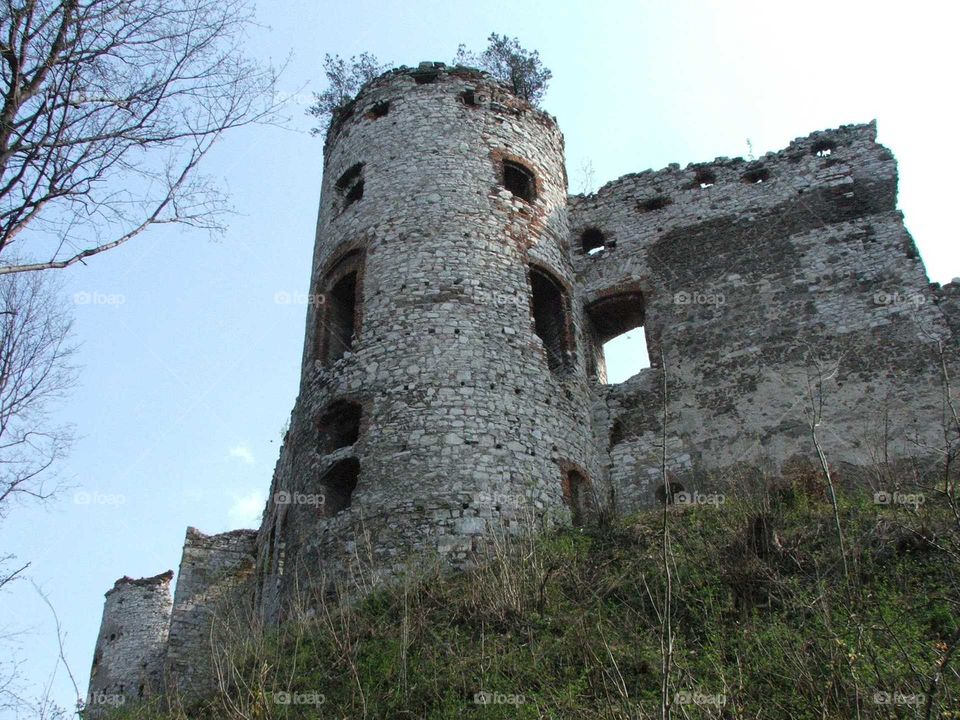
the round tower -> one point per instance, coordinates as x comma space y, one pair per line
128, 660
444, 392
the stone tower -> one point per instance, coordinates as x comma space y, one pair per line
129, 657
443, 387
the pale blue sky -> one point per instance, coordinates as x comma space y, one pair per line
190, 366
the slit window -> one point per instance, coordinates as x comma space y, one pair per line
519, 180
339, 426
338, 484
578, 496
549, 305
619, 339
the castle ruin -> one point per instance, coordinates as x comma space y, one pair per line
453, 381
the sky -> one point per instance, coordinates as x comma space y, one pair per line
190, 349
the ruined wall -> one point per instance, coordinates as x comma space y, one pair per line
758, 279
453, 380
215, 580
129, 656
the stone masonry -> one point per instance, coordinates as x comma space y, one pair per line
453, 379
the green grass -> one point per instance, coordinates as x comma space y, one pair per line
568, 625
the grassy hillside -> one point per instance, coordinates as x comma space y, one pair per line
766, 623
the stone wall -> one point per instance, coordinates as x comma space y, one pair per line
215, 581
758, 281
129, 656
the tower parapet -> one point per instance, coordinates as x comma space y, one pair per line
131, 647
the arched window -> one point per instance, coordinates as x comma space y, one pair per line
551, 318
619, 341
339, 313
519, 180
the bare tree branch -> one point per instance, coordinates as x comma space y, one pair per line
106, 109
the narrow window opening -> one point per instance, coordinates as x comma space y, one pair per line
519, 180
350, 184
617, 433
550, 318
355, 193
669, 498
339, 426
349, 176
823, 148
617, 323
339, 318
338, 483
426, 78
379, 110
468, 97
705, 178
592, 241
578, 496
756, 175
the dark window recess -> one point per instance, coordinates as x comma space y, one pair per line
664, 497
578, 496
617, 433
350, 184
592, 241
655, 203
705, 178
550, 318
426, 77
339, 318
468, 97
338, 484
379, 110
355, 192
756, 175
519, 180
339, 426
823, 148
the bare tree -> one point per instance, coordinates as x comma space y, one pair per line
35, 370
512, 64
107, 107
344, 80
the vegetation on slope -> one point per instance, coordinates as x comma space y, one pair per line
568, 625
